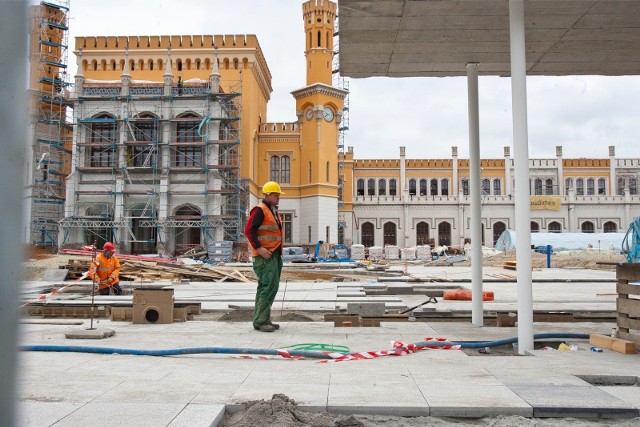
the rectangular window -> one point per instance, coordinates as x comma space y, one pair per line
287, 223
309, 234
328, 234
141, 156
102, 156
187, 156
465, 187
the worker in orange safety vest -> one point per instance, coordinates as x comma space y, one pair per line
106, 267
265, 233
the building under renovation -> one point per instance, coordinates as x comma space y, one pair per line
156, 165
48, 153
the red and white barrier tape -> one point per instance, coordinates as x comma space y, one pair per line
43, 297
400, 350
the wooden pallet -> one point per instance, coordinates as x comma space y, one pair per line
628, 302
509, 264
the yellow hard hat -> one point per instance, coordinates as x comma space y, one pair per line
271, 187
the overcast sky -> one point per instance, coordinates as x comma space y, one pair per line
584, 114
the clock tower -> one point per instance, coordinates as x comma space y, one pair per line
319, 110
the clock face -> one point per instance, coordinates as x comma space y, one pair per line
328, 114
309, 114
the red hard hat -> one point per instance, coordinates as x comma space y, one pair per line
109, 247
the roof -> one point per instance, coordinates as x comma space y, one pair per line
398, 38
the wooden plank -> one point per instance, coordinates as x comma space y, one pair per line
628, 271
628, 306
616, 344
625, 322
627, 289
630, 337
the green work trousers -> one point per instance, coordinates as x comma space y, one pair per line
268, 272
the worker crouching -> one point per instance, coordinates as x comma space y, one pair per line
106, 271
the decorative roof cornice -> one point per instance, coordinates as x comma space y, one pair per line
321, 88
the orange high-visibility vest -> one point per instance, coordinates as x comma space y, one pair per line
270, 235
105, 268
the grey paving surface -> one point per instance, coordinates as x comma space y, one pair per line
71, 389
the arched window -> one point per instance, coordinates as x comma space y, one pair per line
554, 227
382, 187
113, 65
486, 187
587, 227
360, 188
179, 64
100, 236
633, 186
367, 233
144, 241
591, 184
392, 187
433, 187
548, 187
187, 237
141, 64
150, 64
444, 234
444, 187
319, 39
580, 187
103, 131
535, 227
610, 227
422, 233
412, 187
185, 154
497, 187
465, 187
285, 170
390, 237
371, 187
602, 187
275, 169
498, 229
537, 187
423, 187
568, 184
142, 134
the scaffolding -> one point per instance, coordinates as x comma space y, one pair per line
157, 166
342, 83
52, 134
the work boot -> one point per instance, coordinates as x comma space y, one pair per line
264, 328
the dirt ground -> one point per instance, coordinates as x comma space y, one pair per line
282, 411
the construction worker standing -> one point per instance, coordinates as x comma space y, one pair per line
266, 235
107, 267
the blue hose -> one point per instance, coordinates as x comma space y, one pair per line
309, 354
482, 344
173, 352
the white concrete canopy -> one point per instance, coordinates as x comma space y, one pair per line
399, 38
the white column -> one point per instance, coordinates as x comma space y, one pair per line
13, 122
521, 172
477, 317
613, 181
507, 172
560, 167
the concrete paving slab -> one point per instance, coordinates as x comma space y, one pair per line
36, 414
628, 394
479, 400
121, 413
196, 415
573, 401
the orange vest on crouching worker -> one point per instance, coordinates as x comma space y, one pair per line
270, 235
105, 268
